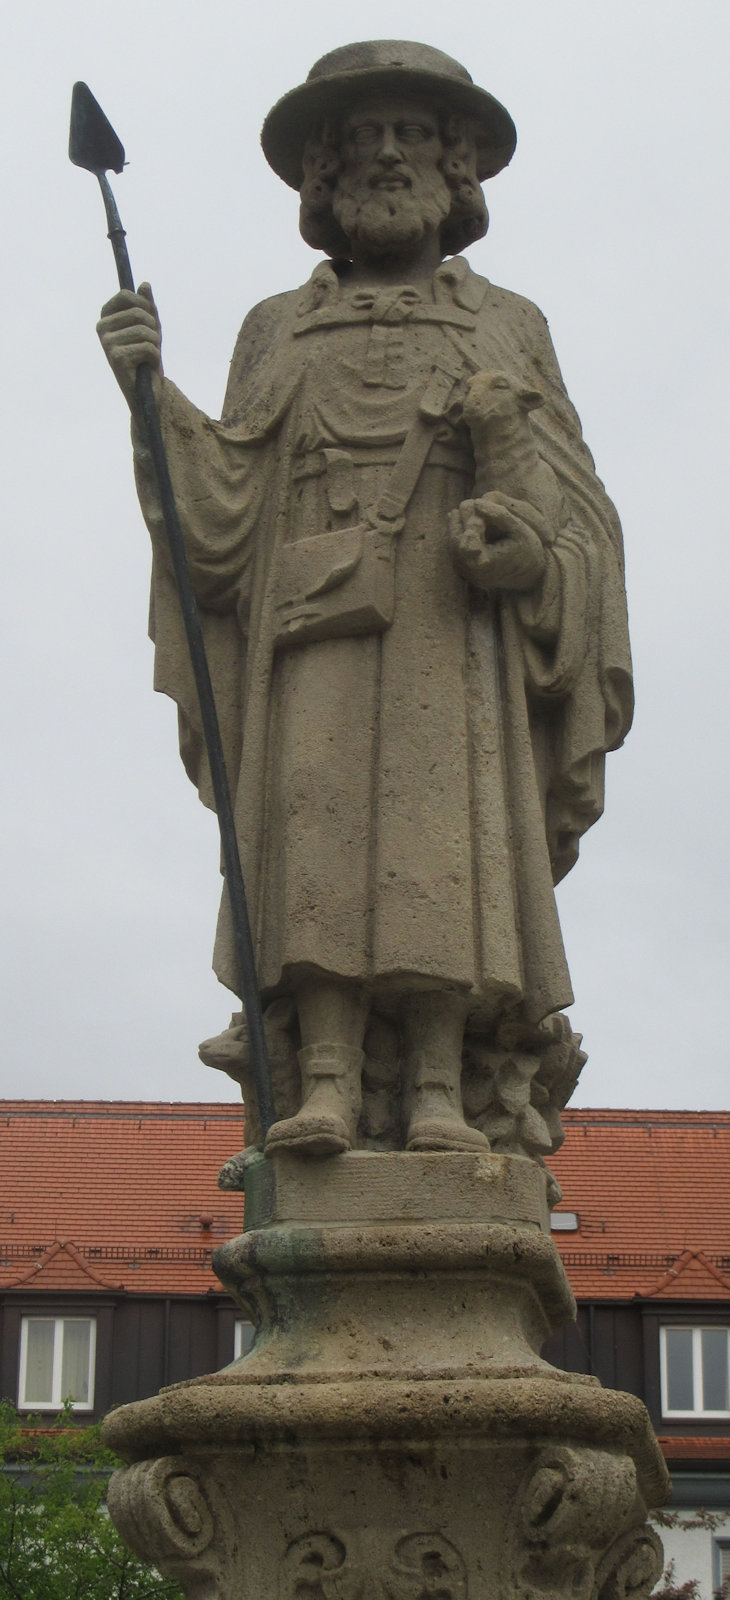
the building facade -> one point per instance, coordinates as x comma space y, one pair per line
644, 1232
110, 1211
109, 1214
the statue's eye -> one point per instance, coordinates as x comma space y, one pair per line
501, 383
365, 133
414, 132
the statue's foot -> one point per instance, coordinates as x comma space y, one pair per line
436, 1120
326, 1123
444, 1133
311, 1133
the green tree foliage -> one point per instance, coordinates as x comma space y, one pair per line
57, 1541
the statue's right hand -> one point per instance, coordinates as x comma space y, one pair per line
130, 334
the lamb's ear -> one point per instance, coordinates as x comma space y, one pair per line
530, 399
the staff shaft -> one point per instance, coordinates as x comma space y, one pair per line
152, 430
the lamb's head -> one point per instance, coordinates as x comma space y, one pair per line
497, 397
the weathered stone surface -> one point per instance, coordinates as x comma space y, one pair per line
411, 590
394, 1422
410, 584
466, 1521
513, 1086
365, 1188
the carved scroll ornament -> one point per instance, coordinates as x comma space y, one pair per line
369, 1566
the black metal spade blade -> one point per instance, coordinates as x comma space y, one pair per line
92, 142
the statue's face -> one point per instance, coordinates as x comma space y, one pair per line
391, 143
390, 189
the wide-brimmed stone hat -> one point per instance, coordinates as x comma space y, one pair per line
383, 66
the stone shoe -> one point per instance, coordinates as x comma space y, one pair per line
436, 1120
444, 1133
326, 1123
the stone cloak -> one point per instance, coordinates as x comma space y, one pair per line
406, 800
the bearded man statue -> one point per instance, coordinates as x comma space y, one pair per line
410, 580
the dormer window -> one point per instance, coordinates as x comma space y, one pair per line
564, 1222
695, 1371
56, 1363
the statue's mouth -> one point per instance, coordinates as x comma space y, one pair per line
390, 180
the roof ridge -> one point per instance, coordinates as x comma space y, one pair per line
68, 1248
641, 1114
675, 1272
133, 1107
570, 1111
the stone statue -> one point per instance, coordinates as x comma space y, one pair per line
411, 586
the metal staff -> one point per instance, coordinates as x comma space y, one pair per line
94, 145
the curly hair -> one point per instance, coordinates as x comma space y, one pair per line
468, 218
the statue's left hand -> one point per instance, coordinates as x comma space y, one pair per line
497, 542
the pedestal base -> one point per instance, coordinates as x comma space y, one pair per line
394, 1431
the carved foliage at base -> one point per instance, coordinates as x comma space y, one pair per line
569, 1508
515, 1081
328, 1566
516, 1084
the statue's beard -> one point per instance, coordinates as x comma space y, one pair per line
387, 221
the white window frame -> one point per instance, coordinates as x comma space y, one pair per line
239, 1325
56, 1401
720, 1549
697, 1408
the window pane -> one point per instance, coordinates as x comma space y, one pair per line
679, 1369
714, 1369
75, 1364
244, 1334
39, 1361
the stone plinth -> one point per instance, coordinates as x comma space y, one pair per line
394, 1430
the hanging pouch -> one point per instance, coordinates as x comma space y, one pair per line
336, 584
341, 583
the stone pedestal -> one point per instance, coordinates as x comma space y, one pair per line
394, 1431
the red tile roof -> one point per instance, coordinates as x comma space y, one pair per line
62, 1267
695, 1449
119, 1189
693, 1278
123, 1187
652, 1193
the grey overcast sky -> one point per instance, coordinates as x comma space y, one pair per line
613, 217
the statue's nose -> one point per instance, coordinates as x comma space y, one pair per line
389, 151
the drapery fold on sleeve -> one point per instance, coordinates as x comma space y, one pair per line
219, 483
587, 665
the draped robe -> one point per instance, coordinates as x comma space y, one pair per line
404, 799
